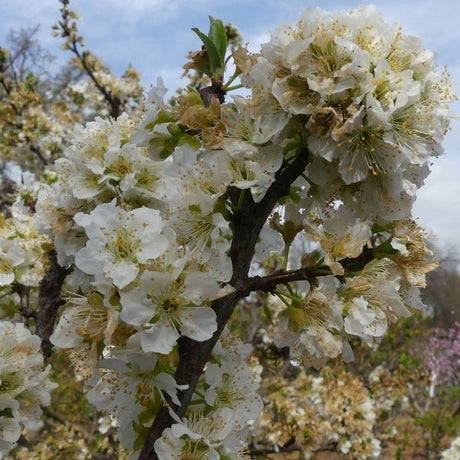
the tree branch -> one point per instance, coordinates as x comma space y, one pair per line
268, 283
49, 300
69, 32
113, 101
193, 355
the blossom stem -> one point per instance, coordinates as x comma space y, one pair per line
287, 247
232, 88
231, 79
241, 198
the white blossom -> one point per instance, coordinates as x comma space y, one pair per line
24, 383
164, 306
119, 241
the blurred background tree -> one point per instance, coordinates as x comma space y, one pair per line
442, 293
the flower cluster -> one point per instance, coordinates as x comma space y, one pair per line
370, 98
442, 356
226, 401
317, 320
333, 409
22, 250
23, 257
24, 383
371, 106
453, 452
127, 89
132, 384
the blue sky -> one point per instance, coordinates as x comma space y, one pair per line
155, 36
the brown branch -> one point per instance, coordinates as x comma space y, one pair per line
49, 300
37, 152
7, 189
246, 225
269, 283
114, 102
8, 91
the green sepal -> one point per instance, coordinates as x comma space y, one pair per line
385, 249
294, 196
293, 146
194, 208
47, 246
378, 228
139, 443
164, 144
191, 141
193, 96
142, 432
221, 206
163, 117
146, 415
7, 413
175, 130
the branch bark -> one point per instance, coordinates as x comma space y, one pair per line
269, 283
49, 300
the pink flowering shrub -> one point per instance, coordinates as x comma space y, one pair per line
443, 356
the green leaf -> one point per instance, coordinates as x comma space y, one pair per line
30, 82
213, 53
216, 46
218, 36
